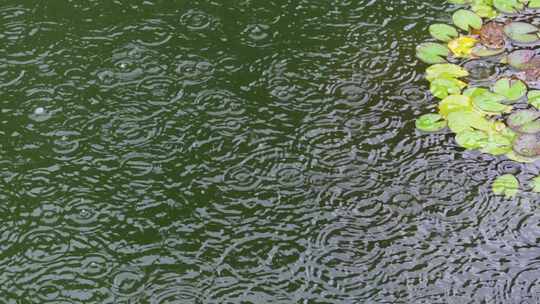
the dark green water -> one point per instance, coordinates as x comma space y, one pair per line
242, 152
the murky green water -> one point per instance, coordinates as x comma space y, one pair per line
242, 152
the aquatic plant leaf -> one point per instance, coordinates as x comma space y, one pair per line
491, 103
465, 20
484, 11
521, 32
430, 122
534, 4
430, 52
462, 46
459, 1
472, 140
521, 159
455, 103
497, 144
443, 32
527, 145
508, 6
474, 91
533, 98
523, 59
524, 121
445, 70
460, 121
506, 185
483, 51
535, 183
512, 89
442, 87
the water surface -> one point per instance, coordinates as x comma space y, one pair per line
243, 152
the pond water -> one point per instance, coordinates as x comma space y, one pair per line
174, 151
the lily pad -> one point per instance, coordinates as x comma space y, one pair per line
533, 98
430, 122
535, 183
461, 121
508, 6
431, 53
498, 144
527, 145
512, 89
525, 121
455, 103
465, 20
523, 59
506, 185
534, 4
472, 140
521, 32
491, 103
442, 87
483, 51
462, 46
445, 70
443, 32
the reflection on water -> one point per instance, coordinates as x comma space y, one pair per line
243, 152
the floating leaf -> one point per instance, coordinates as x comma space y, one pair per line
460, 121
430, 122
506, 185
484, 10
523, 59
483, 51
521, 32
472, 139
521, 159
525, 121
455, 103
497, 144
508, 6
534, 4
442, 87
527, 145
462, 46
431, 53
465, 19
443, 32
512, 89
533, 98
491, 103
535, 183
445, 70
